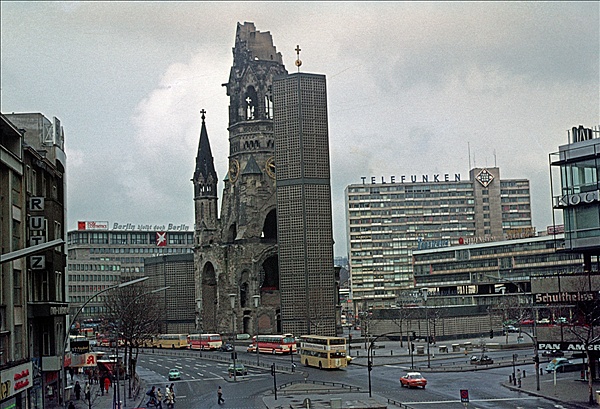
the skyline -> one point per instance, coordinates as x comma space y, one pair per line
412, 89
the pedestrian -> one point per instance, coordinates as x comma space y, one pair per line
159, 398
86, 390
220, 396
71, 372
77, 390
519, 377
152, 396
71, 405
172, 388
169, 398
107, 383
102, 384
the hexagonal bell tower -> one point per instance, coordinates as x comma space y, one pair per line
240, 266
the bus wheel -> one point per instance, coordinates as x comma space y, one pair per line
306, 362
320, 365
172, 346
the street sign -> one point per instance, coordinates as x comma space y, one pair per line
464, 395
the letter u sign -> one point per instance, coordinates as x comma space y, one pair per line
36, 222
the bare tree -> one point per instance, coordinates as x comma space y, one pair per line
586, 321
133, 313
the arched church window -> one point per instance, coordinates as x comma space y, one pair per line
251, 101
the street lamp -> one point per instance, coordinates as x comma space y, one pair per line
424, 293
233, 354
256, 299
66, 340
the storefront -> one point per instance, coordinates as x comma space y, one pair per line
14, 385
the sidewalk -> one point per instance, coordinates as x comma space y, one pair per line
102, 401
568, 389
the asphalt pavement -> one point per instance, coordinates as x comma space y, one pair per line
569, 388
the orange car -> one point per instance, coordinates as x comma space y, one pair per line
412, 380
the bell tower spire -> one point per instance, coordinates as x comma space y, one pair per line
205, 188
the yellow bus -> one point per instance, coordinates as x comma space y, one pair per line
323, 352
172, 341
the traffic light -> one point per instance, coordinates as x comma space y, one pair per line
412, 346
272, 369
369, 365
234, 355
491, 333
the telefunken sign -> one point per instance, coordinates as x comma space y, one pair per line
435, 178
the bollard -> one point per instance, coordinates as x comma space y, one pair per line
391, 353
509, 378
524, 374
541, 371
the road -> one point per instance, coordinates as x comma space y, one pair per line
201, 377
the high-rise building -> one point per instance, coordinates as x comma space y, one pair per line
305, 236
387, 220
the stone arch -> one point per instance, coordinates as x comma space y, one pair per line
270, 226
244, 289
270, 274
231, 233
209, 298
251, 103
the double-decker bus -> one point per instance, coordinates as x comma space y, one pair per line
274, 344
170, 341
323, 352
205, 341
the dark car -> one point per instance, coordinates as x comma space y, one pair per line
553, 353
226, 348
481, 360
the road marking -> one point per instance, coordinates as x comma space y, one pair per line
472, 400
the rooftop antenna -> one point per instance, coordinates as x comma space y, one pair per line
298, 60
469, 151
495, 159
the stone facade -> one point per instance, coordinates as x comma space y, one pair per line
236, 253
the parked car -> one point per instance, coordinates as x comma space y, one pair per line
226, 348
554, 353
174, 374
481, 360
557, 364
413, 380
510, 328
240, 369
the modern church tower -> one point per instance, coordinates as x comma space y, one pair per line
307, 279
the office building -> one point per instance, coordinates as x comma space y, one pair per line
387, 220
305, 235
102, 255
33, 307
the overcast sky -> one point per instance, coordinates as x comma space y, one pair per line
412, 88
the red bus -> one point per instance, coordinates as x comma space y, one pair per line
274, 344
205, 341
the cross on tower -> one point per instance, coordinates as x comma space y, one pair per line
203, 111
298, 60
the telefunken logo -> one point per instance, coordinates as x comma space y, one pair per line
550, 298
435, 178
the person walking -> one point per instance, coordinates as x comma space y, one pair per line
169, 399
77, 390
152, 397
71, 405
86, 391
172, 389
107, 383
159, 397
220, 396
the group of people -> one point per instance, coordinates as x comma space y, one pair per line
157, 398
